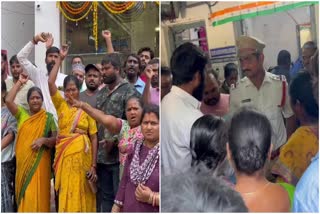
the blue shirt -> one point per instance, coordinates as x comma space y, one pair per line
139, 85
306, 196
297, 66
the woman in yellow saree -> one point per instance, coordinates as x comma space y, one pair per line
36, 135
76, 148
303, 145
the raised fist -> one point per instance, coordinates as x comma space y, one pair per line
106, 34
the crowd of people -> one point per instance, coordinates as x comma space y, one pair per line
94, 133
238, 145
255, 138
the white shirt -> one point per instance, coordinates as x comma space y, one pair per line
179, 110
40, 78
267, 100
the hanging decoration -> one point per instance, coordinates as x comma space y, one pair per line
69, 12
253, 9
117, 8
95, 24
133, 13
76, 11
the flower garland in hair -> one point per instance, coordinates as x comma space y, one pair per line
139, 174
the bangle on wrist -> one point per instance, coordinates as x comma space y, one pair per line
154, 199
150, 198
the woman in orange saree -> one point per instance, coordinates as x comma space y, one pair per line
76, 149
36, 135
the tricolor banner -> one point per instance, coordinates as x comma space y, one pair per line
253, 9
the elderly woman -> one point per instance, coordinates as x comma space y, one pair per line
248, 149
76, 148
139, 187
128, 131
36, 135
8, 164
303, 145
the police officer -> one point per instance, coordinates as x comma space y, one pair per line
265, 91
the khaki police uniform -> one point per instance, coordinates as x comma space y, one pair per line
271, 98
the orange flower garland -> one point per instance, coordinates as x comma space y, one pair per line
75, 11
117, 8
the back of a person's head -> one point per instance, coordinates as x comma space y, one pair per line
165, 71
249, 140
284, 58
229, 69
186, 61
301, 91
208, 142
194, 192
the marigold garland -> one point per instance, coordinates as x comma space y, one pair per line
73, 8
73, 19
75, 11
117, 10
95, 24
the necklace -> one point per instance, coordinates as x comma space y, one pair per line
141, 173
253, 192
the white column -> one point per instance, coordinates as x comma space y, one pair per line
47, 19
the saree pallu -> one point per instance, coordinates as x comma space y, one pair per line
295, 155
73, 160
33, 167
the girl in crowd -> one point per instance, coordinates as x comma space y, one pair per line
8, 164
76, 148
303, 145
208, 140
128, 131
139, 186
36, 135
248, 149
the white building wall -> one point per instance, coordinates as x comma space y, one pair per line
214, 34
17, 26
47, 19
278, 32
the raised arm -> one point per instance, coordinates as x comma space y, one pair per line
107, 38
110, 122
54, 72
24, 54
13, 108
146, 95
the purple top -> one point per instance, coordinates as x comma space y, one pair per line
126, 191
154, 93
